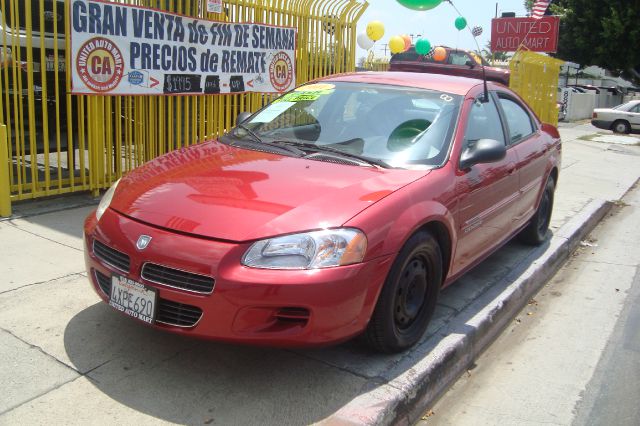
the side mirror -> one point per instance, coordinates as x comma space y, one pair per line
484, 151
470, 63
242, 117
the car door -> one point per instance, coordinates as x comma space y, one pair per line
530, 146
487, 193
458, 63
634, 117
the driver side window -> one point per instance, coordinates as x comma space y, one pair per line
483, 123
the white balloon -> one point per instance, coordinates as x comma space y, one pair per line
364, 41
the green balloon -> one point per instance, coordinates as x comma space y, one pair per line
423, 46
420, 4
460, 23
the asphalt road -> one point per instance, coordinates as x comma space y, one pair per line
613, 394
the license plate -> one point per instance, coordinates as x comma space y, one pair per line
133, 298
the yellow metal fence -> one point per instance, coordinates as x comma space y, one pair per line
535, 78
59, 143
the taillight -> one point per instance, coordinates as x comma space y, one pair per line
595, 115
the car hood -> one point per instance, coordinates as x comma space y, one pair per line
228, 193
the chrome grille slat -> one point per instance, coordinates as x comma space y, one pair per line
111, 256
176, 278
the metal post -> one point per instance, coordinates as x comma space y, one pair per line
5, 185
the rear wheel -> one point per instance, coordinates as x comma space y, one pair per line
621, 126
536, 231
409, 296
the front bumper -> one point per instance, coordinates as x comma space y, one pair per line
258, 306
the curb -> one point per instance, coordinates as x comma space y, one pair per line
421, 379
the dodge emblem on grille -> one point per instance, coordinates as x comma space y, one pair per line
143, 242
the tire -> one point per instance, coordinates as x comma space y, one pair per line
621, 126
536, 231
408, 297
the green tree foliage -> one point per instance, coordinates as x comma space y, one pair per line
603, 33
490, 56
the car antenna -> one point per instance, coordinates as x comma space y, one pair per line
485, 97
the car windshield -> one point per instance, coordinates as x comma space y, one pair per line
385, 125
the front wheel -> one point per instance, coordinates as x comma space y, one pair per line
536, 231
409, 296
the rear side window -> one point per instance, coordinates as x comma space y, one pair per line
458, 58
518, 120
484, 123
409, 55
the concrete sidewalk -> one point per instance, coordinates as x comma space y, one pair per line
69, 359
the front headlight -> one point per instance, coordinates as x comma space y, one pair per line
106, 200
309, 250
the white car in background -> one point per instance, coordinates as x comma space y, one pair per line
621, 119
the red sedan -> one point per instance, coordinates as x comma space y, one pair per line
340, 209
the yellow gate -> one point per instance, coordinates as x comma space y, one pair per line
58, 143
535, 78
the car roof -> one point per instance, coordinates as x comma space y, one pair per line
445, 83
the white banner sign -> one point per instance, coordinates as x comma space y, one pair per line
118, 49
214, 6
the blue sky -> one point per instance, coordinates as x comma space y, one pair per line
437, 25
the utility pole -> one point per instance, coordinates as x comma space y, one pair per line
384, 46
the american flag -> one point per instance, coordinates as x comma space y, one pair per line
539, 8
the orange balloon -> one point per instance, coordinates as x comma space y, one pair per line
439, 54
407, 41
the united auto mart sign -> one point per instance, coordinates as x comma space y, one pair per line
121, 49
537, 35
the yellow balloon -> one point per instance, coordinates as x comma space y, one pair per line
396, 44
375, 30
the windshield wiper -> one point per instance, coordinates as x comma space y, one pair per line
326, 148
257, 139
250, 132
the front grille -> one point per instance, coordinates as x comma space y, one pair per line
179, 314
176, 278
170, 313
104, 282
110, 256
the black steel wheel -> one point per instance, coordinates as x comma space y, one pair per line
536, 231
409, 296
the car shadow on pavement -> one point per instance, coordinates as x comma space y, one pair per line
187, 381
